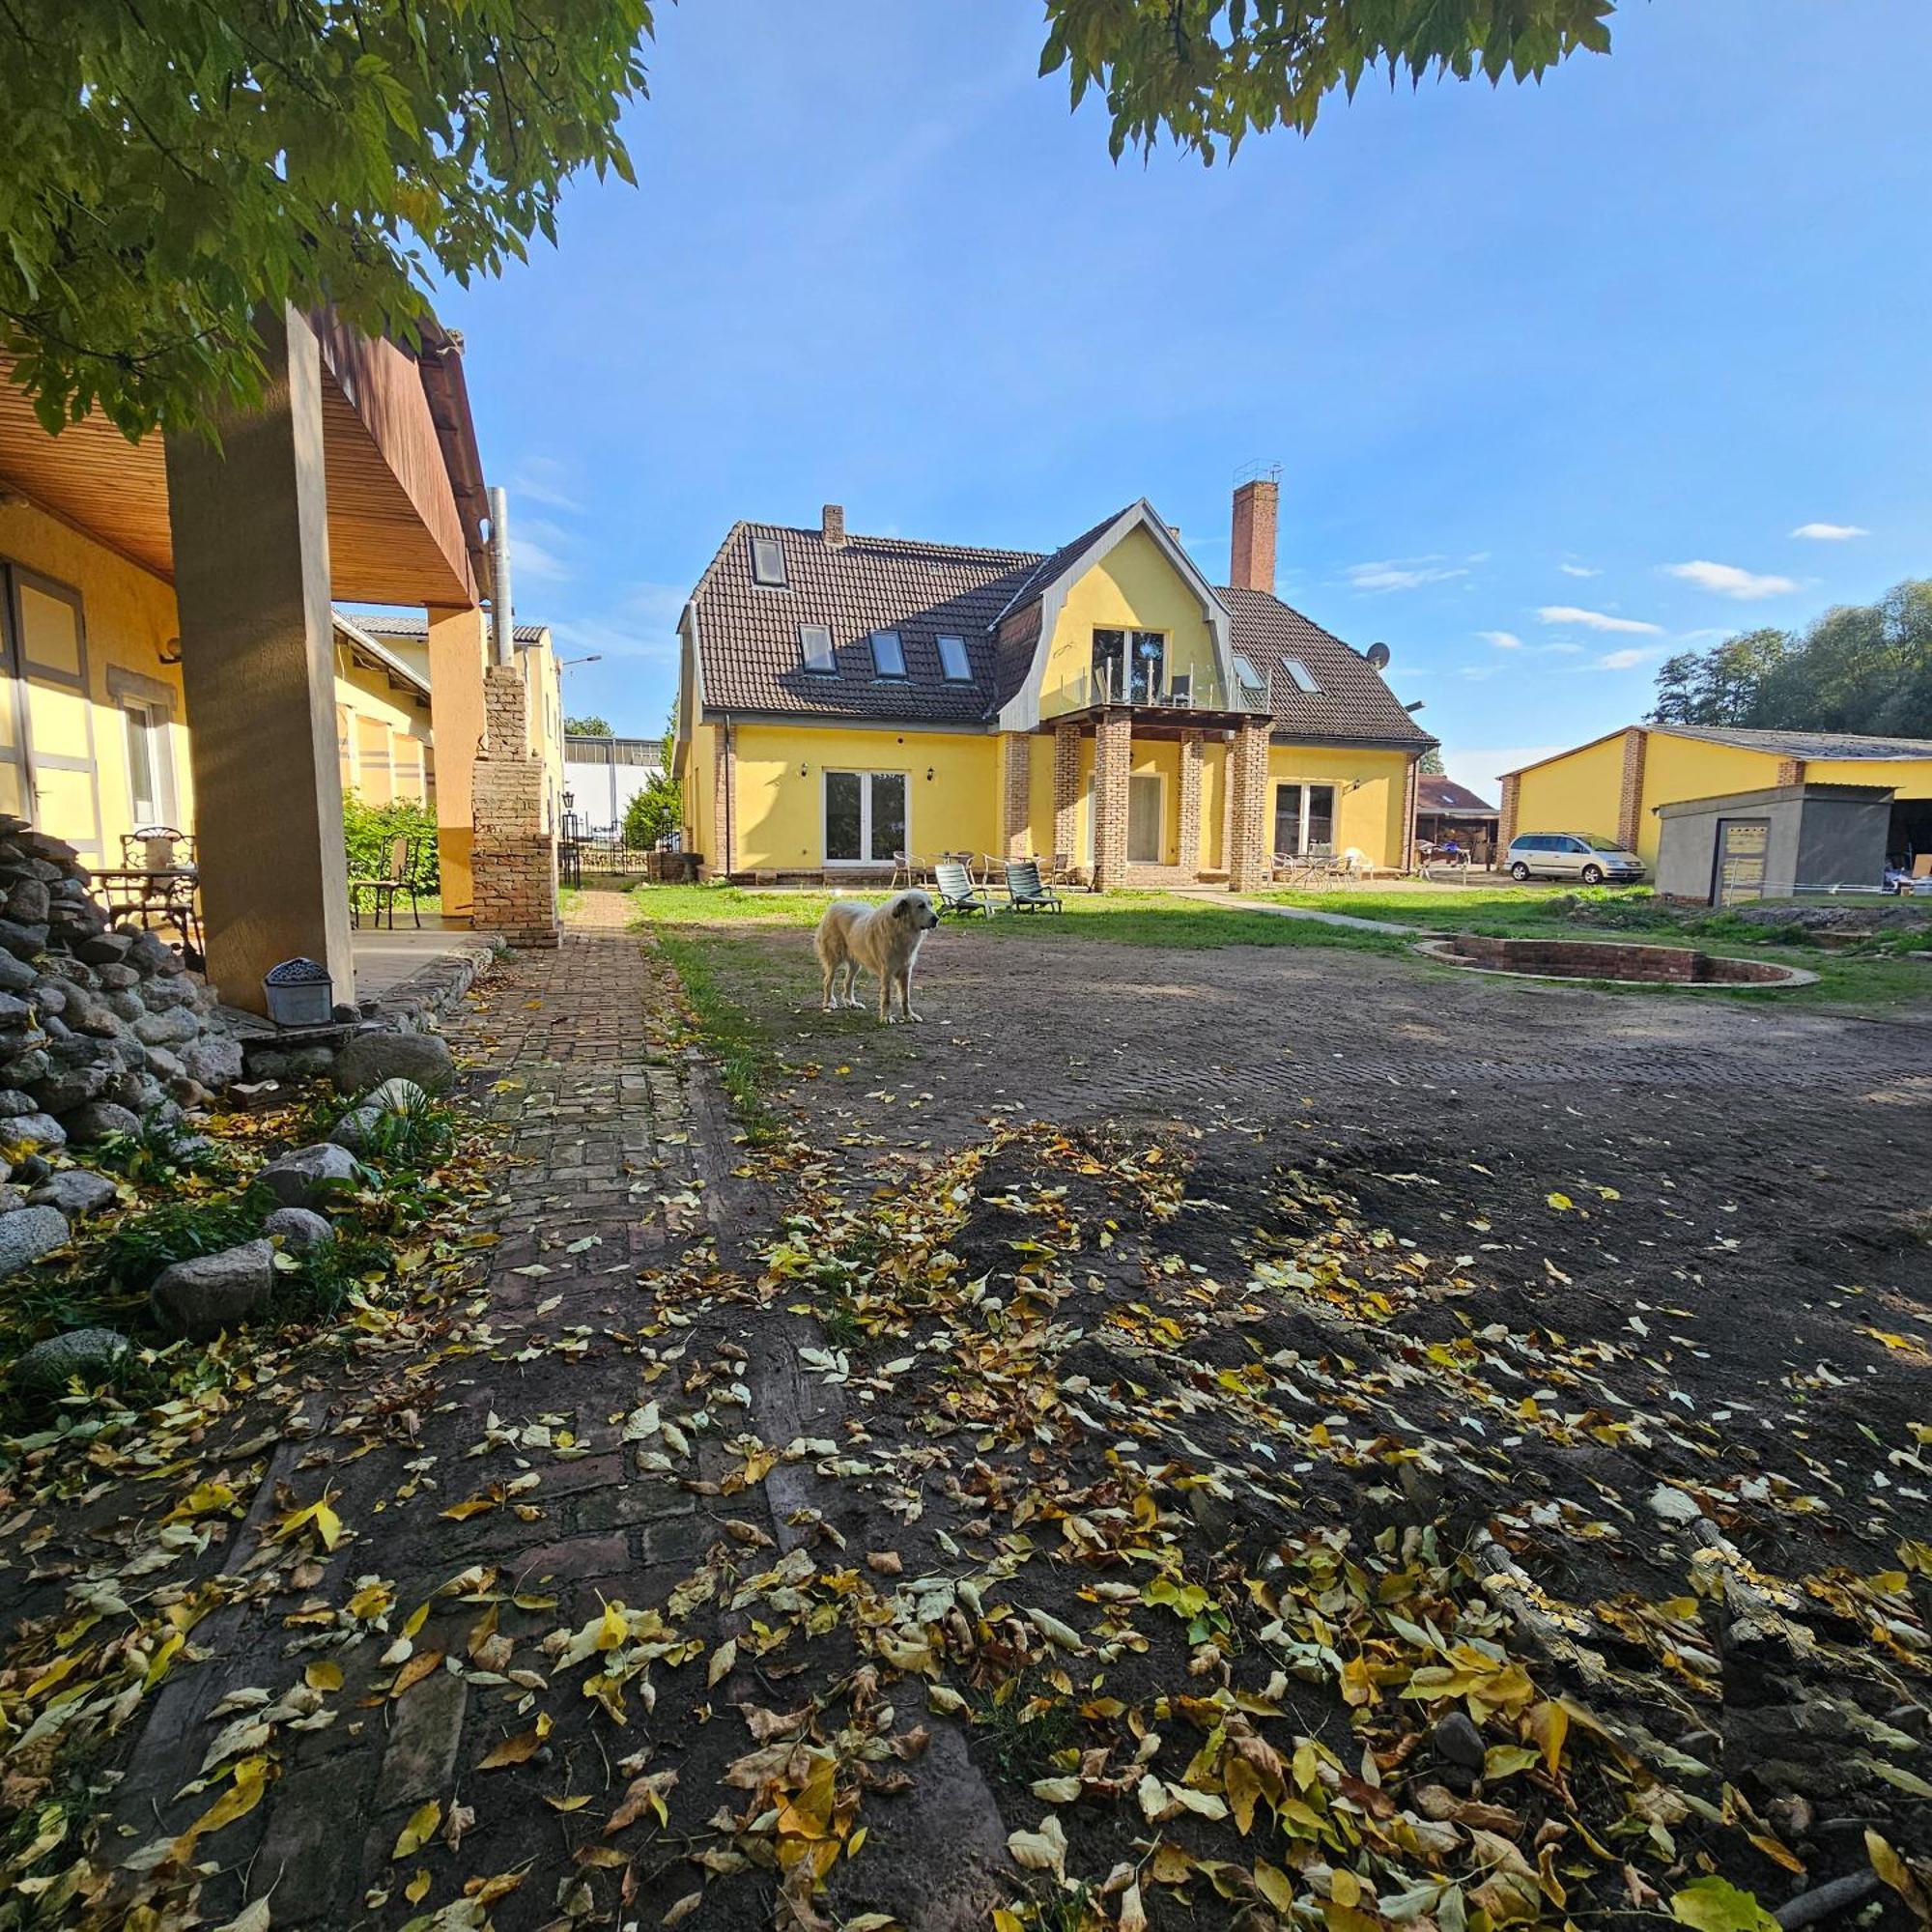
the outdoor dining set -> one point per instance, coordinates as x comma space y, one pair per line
998, 885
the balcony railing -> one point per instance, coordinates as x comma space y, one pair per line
1184, 690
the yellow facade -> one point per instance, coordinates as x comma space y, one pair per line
382, 734
1369, 789
1134, 586
1582, 790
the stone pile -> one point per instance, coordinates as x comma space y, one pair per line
102, 1027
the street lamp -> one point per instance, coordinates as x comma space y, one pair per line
595, 658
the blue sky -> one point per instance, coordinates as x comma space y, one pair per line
1553, 374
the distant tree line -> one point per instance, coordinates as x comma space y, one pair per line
1859, 667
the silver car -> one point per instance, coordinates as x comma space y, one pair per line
1572, 855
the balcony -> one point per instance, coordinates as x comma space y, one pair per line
1158, 698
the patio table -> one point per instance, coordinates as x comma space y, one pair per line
152, 894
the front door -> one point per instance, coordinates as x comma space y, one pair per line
1742, 846
1143, 817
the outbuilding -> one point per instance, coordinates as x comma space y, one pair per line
1770, 843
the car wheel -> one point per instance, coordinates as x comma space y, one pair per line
1519, 873
1593, 875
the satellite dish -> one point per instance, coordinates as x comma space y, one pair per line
1378, 656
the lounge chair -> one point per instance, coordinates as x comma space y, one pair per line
955, 891
1025, 890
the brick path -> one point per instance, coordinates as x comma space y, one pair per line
606, 1147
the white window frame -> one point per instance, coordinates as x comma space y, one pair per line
867, 773
1302, 677
1307, 786
152, 718
1123, 664
827, 665
761, 582
898, 677
1159, 782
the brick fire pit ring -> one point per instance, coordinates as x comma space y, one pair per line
1610, 961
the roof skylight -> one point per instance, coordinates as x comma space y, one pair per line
1304, 678
815, 640
888, 655
767, 563
953, 661
1247, 673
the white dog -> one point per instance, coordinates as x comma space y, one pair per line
882, 939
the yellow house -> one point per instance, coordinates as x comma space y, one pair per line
847, 699
1613, 786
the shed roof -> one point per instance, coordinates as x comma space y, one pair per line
1446, 796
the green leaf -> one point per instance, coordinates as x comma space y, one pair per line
1717, 1905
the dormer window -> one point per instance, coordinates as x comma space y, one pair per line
767, 563
1247, 673
953, 661
815, 641
888, 655
1304, 678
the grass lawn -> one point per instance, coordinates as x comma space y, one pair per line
1865, 981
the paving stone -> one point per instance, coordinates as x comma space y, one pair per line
423, 1740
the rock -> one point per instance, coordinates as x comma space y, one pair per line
163, 1029
72, 1086
371, 1058
37, 1129
84, 1352
16, 975
125, 1004
148, 955
164, 1061
14, 1011
29, 1233
105, 948
12, 1198
201, 1298
309, 1175
30, 1170
99, 1119
88, 1013
298, 1229
118, 979
24, 1068
354, 1129
396, 1097
49, 993
24, 942
214, 1060
75, 1191
1457, 1740
28, 901
164, 996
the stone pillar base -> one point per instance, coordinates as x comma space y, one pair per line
512, 857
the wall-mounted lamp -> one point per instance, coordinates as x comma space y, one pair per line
928, 774
169, 653
801, 768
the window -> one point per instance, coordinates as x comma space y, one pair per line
815, 640
1247, 673
953, 661
1129, 666
768, 563
888, 655
150, 769
1304, 678
1304, 819
865, 817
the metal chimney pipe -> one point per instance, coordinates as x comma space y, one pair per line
502, 612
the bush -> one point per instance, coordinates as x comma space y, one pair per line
654, 815
367, 830
144, 1245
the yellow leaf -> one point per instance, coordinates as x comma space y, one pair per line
418, 1618
613, 1628
372, 1601
519, 1749
252, 1779
576, 1804
1549, 1724
1343, 1886
1892, 1868
723, 1660
1275, 1886
323, 1676
1560, 1202
419, 1830
418, 1889
425, 1664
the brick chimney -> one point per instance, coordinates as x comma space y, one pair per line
833, 526
1251, 566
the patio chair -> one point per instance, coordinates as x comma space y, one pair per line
403, 875
162, 891
955, 890
1025, 890
902, 871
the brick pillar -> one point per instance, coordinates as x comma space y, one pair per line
1791, 771
1190, 803
1630, 798
1016, 794
1506, 818
1411, 791
1248, 861
723, 857
1113, 752
1066, 790
512, 857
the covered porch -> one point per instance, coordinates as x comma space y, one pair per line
356, 478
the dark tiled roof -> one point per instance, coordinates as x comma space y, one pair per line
1806, 744
753, 660
1446, 795
1352, 704
749, 635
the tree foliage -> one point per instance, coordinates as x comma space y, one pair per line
657, 811
1859, 667
592, 727
1431, 765
1213, 72
166, 170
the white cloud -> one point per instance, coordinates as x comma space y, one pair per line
1627, 659
531, 558
1577, 570
1726, 580
1597, 620
541, 480
1504, 641
1831, 532
1401, 573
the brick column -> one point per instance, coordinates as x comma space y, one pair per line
723, 857
1506, 817
1113, 752
1247, 859
1016, 793
1065, 791
512, 857
1190, 803
1791, 771
1630, 798
1409, 794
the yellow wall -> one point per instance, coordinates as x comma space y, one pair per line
1909, 778
1133, 586
1371, 795
382, 735
1578, 792
779, 814
1680, 768
129, 618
